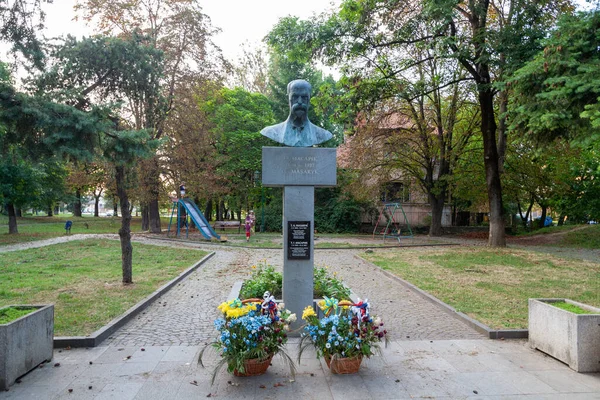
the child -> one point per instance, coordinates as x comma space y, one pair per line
248, 227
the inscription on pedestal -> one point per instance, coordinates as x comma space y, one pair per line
299, 166
298, 240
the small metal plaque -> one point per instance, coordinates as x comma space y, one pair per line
298, 240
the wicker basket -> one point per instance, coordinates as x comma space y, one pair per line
254, 367
345, 365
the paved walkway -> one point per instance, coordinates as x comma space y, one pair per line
432, 355
184, 315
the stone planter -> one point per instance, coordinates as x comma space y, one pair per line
571, 338
25, 343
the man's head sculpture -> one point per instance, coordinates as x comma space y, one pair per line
298, 92
297, 130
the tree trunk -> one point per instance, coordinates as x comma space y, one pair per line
125, 231
437, 211
561, 220
502, 135
208, 210
218, 211
116, 206
50, 211
77, 204
145, 217
151, 183
12, 219
492, 173
96, 206
223, 210
154, 215
543, 218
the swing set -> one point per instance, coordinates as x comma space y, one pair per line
387, 217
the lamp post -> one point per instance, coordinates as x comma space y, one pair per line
257, 178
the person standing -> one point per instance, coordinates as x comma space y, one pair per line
248, 223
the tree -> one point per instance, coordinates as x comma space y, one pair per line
34, 130
378, 33
94, 74
237, 117
20, 20
182, 32
557, 94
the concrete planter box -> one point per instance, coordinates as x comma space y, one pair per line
571, 338
25, 343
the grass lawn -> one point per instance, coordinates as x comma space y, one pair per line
492, 285
38, 228
83, 280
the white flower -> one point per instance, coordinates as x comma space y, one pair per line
281, 306
286, 328
291, 318
377, 321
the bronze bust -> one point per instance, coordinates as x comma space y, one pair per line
297, 130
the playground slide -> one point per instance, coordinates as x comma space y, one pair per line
198, 219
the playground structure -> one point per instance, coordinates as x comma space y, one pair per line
392, 225
187, 208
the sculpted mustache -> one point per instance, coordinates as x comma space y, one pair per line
296, 107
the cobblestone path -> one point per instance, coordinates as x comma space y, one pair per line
406, 315
185, 314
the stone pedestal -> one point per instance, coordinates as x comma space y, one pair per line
299, 170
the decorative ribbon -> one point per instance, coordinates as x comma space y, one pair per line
237, 303
269, 307
330, 305
360, 309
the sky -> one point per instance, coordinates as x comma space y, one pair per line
240, 20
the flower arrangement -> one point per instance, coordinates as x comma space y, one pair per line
264, 277
250, 332
347, 331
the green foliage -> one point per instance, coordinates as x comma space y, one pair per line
335, 213
571, 307
266, 278
274, 211
327, 285
20, 22
558, 92
9, 314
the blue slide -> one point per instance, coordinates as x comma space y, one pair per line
198, 218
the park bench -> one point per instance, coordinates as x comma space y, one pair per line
223, 225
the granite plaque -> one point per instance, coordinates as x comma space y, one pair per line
298, 240
299, 166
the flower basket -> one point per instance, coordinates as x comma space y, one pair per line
345, 335
251, 332
254, 367
345, 365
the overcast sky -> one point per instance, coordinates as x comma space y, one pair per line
239, 20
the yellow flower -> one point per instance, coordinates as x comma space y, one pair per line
254, 267
308, 312
321, 304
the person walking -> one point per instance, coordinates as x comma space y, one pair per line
248, 223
